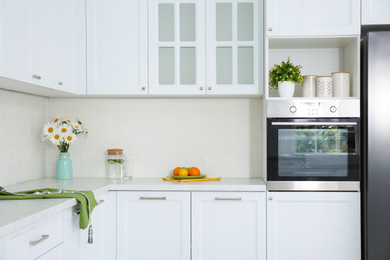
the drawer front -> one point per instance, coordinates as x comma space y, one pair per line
34, 240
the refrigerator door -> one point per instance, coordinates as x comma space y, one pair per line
376, 129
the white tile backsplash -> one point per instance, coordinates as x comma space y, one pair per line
217, 135
23, 155
222, 137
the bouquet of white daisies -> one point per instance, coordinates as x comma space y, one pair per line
63, 132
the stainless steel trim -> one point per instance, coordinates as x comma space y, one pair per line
36, 242
314, 123
219, 198
313, 185
153, 198
313, 108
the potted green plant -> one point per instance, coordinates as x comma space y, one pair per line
284, 77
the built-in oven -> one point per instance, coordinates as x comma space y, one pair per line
313, 145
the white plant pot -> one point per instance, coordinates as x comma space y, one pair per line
286, 89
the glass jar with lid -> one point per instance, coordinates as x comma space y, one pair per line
116, 164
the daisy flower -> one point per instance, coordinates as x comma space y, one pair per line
48, 129
57, 137
70, 138
57, 120
65, 129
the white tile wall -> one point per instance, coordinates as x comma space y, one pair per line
23, 156
222, 137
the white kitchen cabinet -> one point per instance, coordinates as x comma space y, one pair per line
312, 18
205, 47
43, 43
313, 225
153, 225
35, 240
104, 226
117, 47
56, 253
229, 225
375, 12
1, 249
318, 56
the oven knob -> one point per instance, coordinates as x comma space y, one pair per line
293, 109
333, 109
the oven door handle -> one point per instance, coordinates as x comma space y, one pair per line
314, 123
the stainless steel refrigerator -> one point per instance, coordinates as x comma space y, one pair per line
375, 103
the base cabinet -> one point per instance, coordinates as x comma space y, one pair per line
191, 225
104, 226
153, 225
56, 253
313, 225
228, 225
34, 241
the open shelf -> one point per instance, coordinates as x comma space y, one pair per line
318, 56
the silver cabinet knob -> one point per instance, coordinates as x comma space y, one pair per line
270, 29
143, 88
201, 88
60, 83
270, 198
36, 77
209, 88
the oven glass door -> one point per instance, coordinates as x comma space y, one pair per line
313, 149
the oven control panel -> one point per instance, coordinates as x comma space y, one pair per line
313, 109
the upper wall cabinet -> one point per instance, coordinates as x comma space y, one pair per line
198, 47
375, 12
117, 47
312, 18
43, 43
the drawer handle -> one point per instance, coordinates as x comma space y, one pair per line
78, 212
219, 198
36, 77
153, 198
36, 242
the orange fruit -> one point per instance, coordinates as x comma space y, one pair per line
194, 171
176, 170
182, 172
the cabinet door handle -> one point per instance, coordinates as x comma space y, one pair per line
219, 198
36, 77
153, 198
270, 198
78, 212
209, 88
36, 242
143, 88
201, 88
60, 83
270, 29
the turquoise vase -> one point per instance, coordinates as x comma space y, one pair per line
64, 170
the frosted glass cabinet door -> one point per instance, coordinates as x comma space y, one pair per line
234, 46
228, 225
308, 17
313, 225
117, 47
176, 47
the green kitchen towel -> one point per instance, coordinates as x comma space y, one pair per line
86, 198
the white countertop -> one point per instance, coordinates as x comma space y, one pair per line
16, 214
